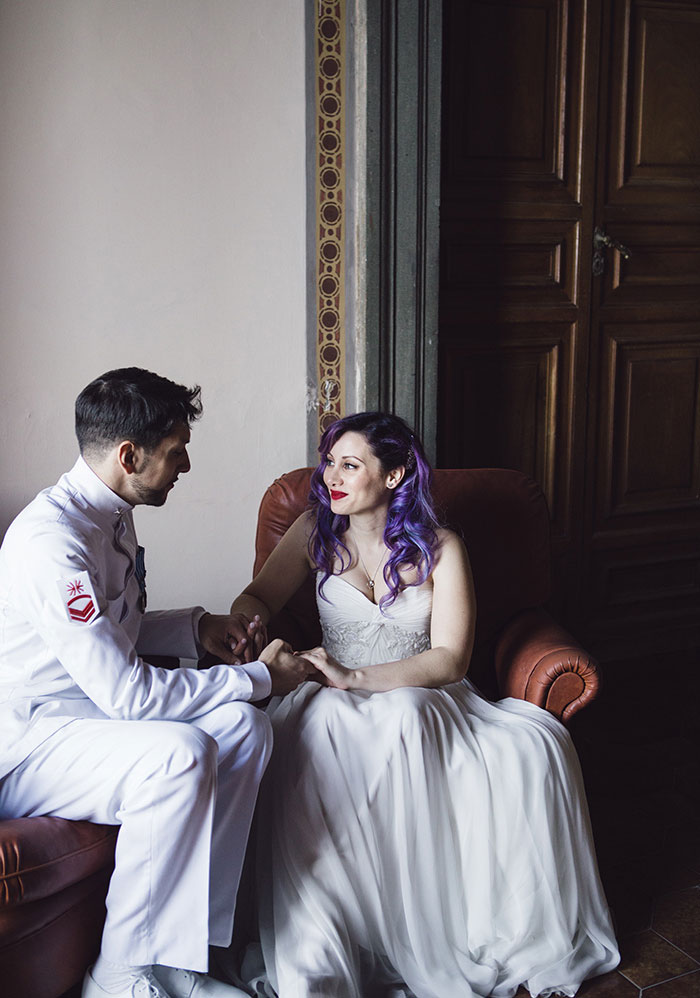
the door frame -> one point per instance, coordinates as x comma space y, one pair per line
389, 247
404, 71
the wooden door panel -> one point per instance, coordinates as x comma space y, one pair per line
655, 119
512, 99
664, 267
653, 592
651, 426
504, 263
508, 389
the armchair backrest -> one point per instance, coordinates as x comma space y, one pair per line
502, 516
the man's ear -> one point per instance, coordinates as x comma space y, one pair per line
128, 456
394, 477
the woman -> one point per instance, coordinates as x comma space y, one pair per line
413, 835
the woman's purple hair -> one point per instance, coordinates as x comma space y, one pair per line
411, 521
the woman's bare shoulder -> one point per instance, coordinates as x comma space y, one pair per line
450, 547
448, 538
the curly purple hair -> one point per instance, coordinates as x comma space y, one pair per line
411, 521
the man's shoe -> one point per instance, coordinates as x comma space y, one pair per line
188, 984
142, 986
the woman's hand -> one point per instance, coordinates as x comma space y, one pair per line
330, 671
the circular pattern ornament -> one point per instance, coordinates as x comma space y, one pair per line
328, 28
331, 212
330, 106
330, 178
330, 354
330, 67
329, 319
329, 141
329, 285
330, 250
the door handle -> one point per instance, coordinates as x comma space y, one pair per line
601, 240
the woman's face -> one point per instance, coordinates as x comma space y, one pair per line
354, 477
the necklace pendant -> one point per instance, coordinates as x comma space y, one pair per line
370, 583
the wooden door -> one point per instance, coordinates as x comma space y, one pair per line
561, 117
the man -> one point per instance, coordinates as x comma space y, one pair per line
89, 730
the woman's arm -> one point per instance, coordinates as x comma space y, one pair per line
281, 575
451, 634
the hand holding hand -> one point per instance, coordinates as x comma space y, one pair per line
287, 670
331, 672
231, 637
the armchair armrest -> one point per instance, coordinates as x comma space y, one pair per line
540, 661
41, 856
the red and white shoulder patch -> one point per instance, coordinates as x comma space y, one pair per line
78, 596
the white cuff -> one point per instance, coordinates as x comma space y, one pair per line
260, 680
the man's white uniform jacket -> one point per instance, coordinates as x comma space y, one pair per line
72, 630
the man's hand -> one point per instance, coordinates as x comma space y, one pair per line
287, 670
231, 637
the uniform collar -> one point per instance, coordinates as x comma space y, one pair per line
98, 495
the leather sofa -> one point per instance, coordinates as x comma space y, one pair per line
54, 873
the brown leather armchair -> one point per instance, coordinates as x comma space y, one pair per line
520, 651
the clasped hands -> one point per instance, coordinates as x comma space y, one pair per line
234, 639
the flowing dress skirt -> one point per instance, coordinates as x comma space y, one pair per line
426, 838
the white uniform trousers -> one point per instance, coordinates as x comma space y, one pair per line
183, 793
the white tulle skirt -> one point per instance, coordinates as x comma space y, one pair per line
427, 843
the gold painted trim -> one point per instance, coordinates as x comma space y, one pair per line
331, 203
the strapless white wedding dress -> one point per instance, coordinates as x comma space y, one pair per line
422, 842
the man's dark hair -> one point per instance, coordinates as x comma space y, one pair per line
132, 404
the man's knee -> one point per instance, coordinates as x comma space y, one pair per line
256, 730
242, 730
186, 751
258, 725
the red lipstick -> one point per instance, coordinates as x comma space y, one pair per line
337, 495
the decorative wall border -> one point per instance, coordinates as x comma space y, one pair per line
331, 204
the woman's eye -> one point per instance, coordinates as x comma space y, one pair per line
350, 466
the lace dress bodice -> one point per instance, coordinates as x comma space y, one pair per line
357, 633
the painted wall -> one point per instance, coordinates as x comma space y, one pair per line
152, 189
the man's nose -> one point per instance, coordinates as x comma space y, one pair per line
186, 464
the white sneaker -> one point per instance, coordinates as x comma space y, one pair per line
142, 986
189, 984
